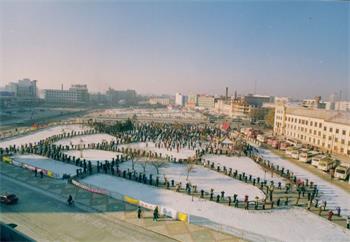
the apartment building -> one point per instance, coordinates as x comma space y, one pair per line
328, 130
205, 101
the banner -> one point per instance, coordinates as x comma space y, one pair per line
182, 217
7, 159
50, 173
131, 200
147, 205
89, 188
169, 212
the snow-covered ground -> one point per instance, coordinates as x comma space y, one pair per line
42, 134
86, 139
334, 195
182, 154
244, 164
202, 177
57, 167
94, 155
284, 225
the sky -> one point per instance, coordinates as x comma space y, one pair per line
283, 48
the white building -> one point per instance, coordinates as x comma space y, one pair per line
159, 100
325, 129
180, 99
77, 94
205, 101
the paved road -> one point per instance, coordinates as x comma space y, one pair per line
44, 218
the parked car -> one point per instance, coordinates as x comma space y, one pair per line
342, 172
8, 199
307, 156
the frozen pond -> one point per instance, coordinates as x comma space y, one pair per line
42, 134
57, 167
150, 146
94, 155
334, 195
202, 177
244, 164
86, 139
284, 225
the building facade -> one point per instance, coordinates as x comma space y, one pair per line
180, 99
205, 101
327, 130
24, 90
77, 94
159, 100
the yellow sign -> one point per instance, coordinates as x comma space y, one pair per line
49, 173
131, 200
182, 216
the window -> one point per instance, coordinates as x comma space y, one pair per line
325, 128
336, 140
310, 123
315, 124
344, 132
319, 133
306, 122
324, 136
337, 131
330, 129
342, 141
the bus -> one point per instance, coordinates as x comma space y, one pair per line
306, 156
342, 172
316, 159
327, 163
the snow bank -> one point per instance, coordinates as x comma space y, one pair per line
202, 177
94, 155
285, 225
244, 164
182, 154
42, 134
86, 139
57, 167
334, 195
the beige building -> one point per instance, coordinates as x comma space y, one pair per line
206, 101
325, 129
159, 100
237, 108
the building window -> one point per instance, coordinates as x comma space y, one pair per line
344, 132
330, 129
336, 140
337, 131
320, 125
325, 128
315, 124
342, 141
310, 123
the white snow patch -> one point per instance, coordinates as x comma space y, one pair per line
285, 225
86, 139
94, 155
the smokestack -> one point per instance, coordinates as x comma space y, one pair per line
226, 96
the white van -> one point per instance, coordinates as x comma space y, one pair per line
327, 163
289, 151
315, 160
307, 156
342, 172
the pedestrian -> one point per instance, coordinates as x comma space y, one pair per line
35, 172
41, 174
308, 205
330, 215
324, 205
348, 222
320, 210
139, 212
338, 211
155, 214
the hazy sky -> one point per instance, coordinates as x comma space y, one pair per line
288, 48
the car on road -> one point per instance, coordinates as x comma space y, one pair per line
8, 199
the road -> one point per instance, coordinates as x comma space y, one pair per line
45, 218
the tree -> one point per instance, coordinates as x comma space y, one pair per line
257, 114
158, 163
189, 167
270, 117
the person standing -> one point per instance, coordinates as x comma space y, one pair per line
155, 214
41, 174
330, 215
139, 212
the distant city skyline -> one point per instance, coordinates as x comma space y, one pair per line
296, 49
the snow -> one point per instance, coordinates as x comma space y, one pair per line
182, 154
202, 177
42, 162
42, 134
285, 225
243, 164
94, 155
86, 139
334, 195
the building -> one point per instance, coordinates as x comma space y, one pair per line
328, 130
24, 90
338, 106
159, 100
240, 109
192, 100
77, 94
258, 100
119, 96
180, 99
205, 101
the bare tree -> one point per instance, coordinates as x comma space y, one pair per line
144, 162
158, 163
189, 168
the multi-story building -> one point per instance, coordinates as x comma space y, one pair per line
258, 100
192, 100
240, 109
24, 90
180, 99
325, 129
159, 100
338, 106
205, 101
120, 96
77, 94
